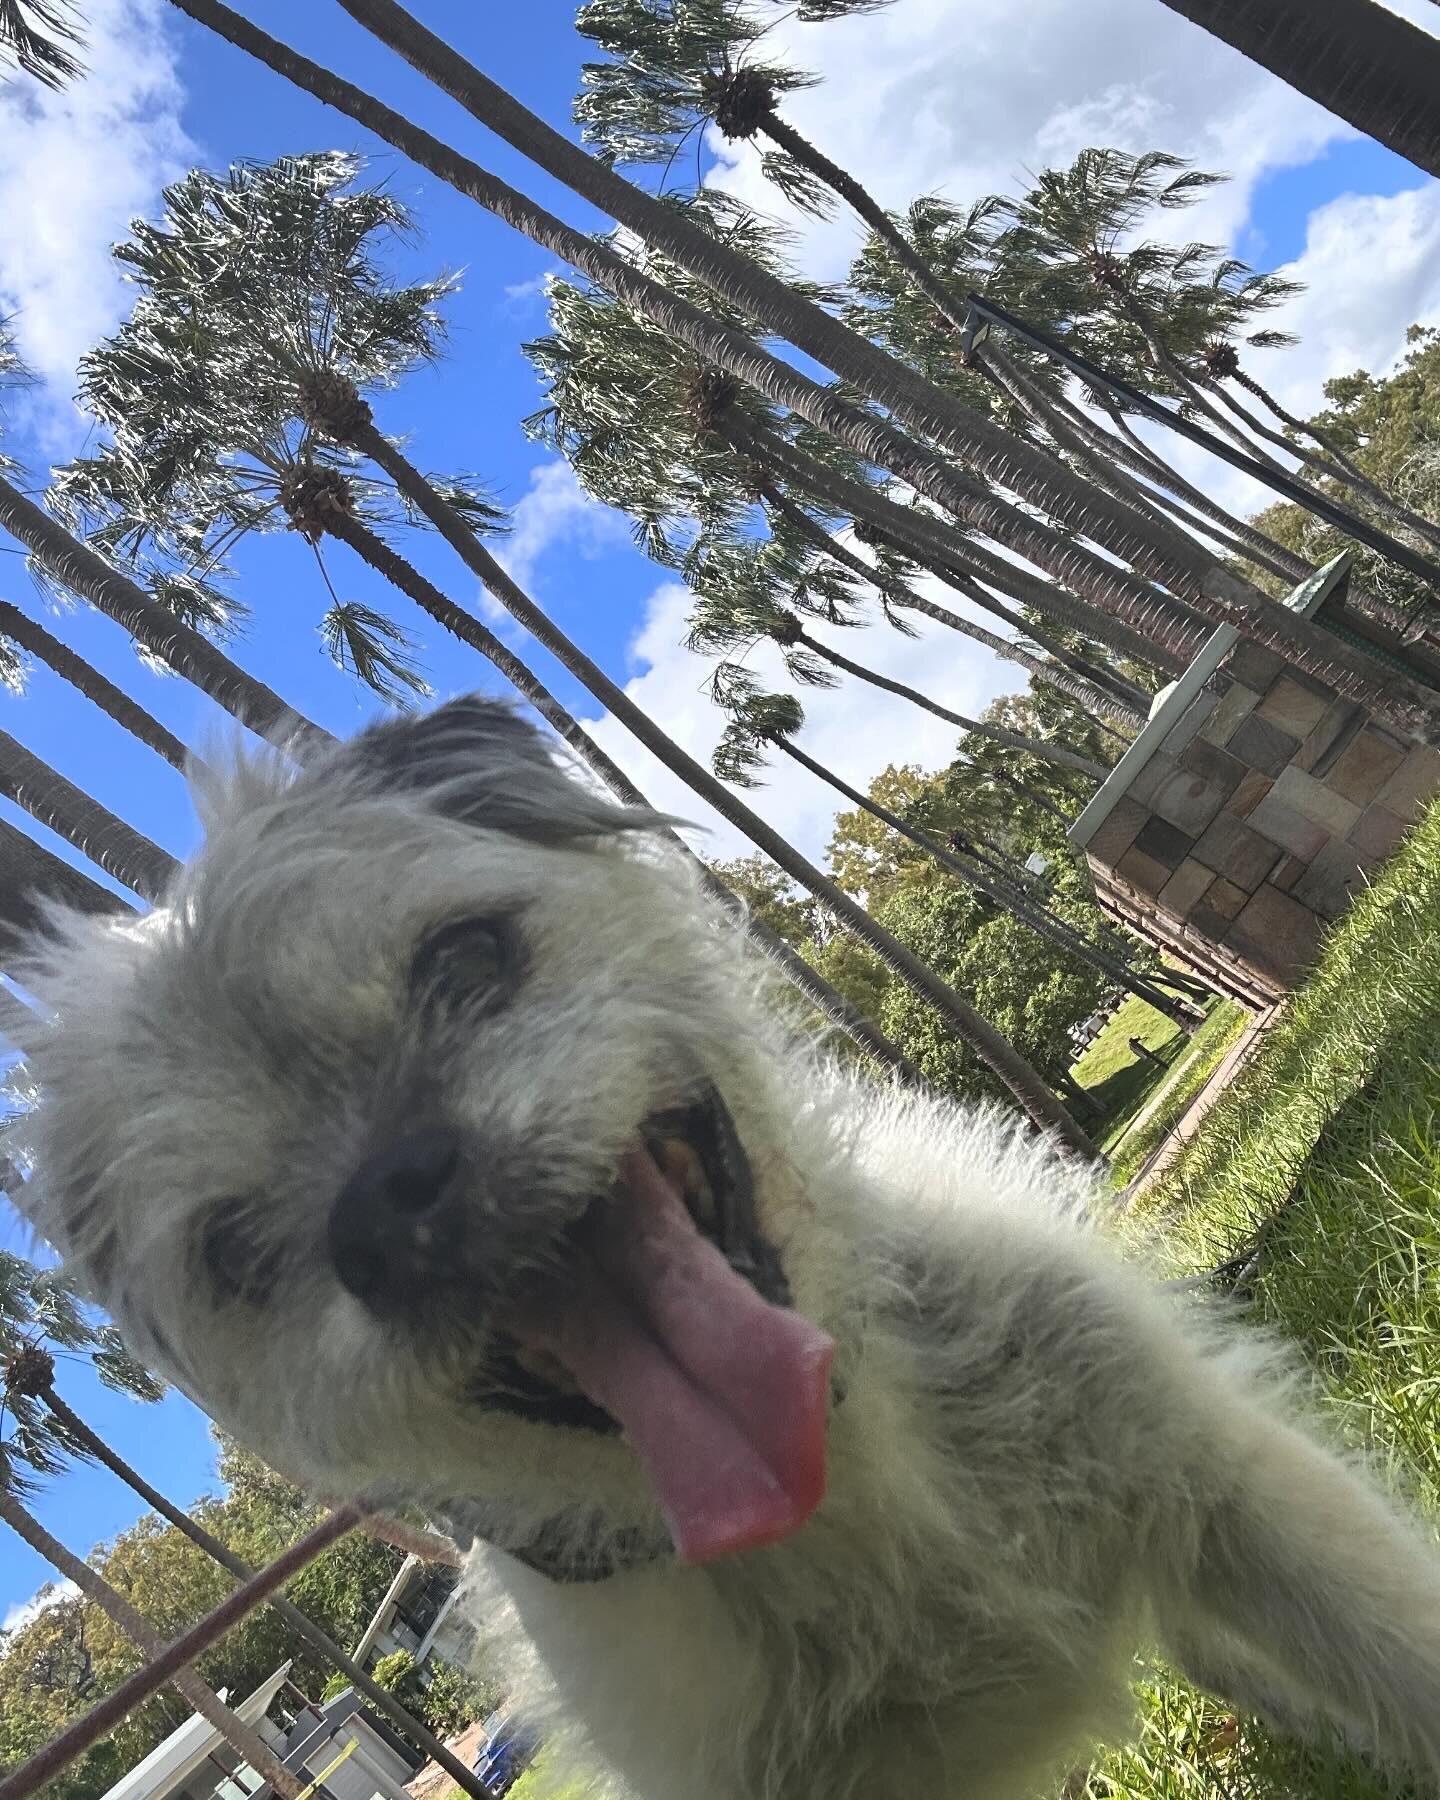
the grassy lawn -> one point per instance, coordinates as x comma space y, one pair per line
1116, 1079
1328, 1143
1132, 1141
1123, 1083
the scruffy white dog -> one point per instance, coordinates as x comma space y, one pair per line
443, 1141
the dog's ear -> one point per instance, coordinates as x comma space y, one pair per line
477, 760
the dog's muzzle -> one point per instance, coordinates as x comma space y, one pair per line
660, 1310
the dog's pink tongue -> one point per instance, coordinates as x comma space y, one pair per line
723, 1396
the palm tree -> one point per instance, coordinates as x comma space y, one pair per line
34, 1379
1359, 60
736, 606
77, 568
109, 842
33, 879
672, 67
245, 279
243, 1739
758, 720
41, 1305
1046, 484
214, 400
38, 642
36, 36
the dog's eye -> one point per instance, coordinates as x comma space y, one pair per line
470, 962
239, 1265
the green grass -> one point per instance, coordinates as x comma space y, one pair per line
1116, 1079
537, 1783
1127, 1148
1328, 1143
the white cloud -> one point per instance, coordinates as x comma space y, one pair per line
523, 297
965, 101
75, 167
1370, 269
554, 512
23, 1612
855, 729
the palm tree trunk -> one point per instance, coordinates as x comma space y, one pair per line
1107, 461
1314, 468
1046, 484
831, 1004
114, 846
33, 879
380, 1698
1054, 931
78, 568
1001, 1056
1359, 60
944, 552
1031, 399
899, 595
24, 631
841, 182
1146, 461
1302, 426
242, 1738
1053, 753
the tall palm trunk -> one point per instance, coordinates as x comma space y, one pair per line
1361, 61
901, 596
380, 1698
1055, 931
780, 132
32, 879
75, 566
1045, 483
1144, 460
1173, 636
1088, 446
1030, 398
242, 1738
1315, 468
999, 734
24, 631
1000, 1055
1303, 427
111, 844
403, 575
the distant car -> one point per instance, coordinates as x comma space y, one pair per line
506, 1752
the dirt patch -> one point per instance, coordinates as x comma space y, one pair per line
432, 1782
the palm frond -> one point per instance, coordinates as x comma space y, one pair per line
40, 37
372, 648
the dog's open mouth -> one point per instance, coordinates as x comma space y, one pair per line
673, 1323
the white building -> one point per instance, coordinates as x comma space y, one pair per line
350, 1754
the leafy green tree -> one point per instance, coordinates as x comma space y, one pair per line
1389, 426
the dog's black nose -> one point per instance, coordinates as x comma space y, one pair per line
397, 1222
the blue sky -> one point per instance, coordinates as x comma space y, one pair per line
912, 101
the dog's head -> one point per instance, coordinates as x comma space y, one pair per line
426, 1137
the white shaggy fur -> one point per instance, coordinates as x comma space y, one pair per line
1037, 1460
